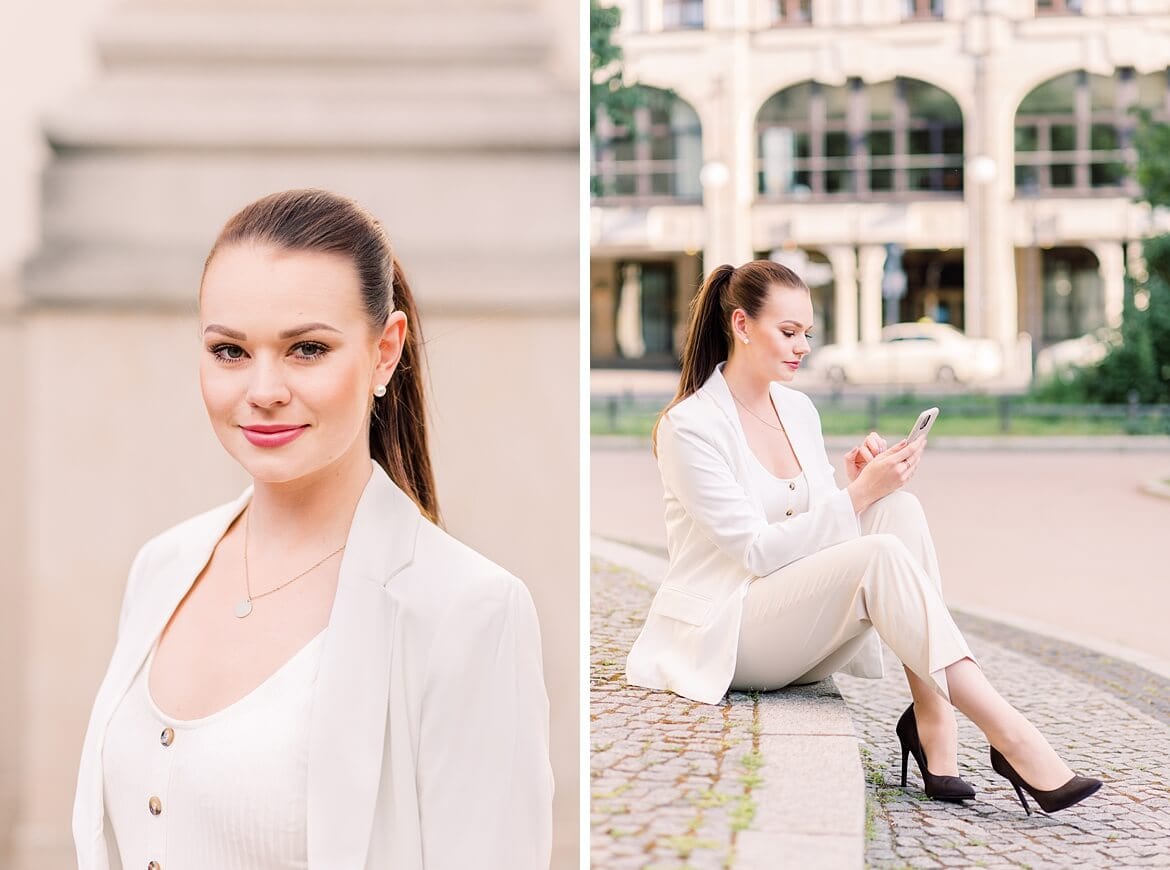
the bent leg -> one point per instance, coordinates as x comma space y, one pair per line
795, 618
901, 514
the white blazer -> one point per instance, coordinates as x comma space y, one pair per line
719, 539
429, 729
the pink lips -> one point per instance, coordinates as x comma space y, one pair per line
272, 436
792, 365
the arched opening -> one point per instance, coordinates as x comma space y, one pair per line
896, 139
1073, 132
655, 157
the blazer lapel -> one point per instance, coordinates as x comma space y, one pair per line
157, 597
795, 421
347, 733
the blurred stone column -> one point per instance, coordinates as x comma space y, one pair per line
843, 259
871, 259
455, 123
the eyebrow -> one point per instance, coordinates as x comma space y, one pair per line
797, 324
288, 333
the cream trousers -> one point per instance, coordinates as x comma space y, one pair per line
810, 618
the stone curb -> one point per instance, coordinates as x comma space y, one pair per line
811, 803
1020, 443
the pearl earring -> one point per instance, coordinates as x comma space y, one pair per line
747, 341
380, 390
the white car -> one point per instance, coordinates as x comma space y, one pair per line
911, 353
1062, 359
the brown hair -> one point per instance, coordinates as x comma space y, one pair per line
709, 338
317, 220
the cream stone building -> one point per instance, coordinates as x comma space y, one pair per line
456, 122
979, 144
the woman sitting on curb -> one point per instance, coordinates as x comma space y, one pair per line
777, 577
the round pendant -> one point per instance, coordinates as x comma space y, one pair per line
243, 608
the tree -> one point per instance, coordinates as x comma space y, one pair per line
1140, 361
608, 89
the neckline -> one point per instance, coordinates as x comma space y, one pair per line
175, 722
764, 468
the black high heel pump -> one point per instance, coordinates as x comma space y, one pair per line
943, 788
1072, 792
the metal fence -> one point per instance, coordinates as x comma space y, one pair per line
849, 413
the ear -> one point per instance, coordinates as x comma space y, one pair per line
391, 343
739, 324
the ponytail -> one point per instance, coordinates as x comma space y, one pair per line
706, 343
398, 429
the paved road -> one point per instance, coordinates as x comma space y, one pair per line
1062, 538
1101, 727
675, 784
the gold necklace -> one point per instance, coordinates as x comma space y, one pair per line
779, 428
244, 607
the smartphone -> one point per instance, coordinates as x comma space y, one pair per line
922, 424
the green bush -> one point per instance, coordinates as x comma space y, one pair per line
1140, 363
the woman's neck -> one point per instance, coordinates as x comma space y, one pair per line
745, 385
312, 511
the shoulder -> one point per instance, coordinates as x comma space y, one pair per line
795, 400
448, 578
181, 535
699, 414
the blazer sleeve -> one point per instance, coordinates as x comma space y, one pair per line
484, 779
701, 478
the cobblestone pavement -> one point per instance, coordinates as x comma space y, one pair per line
671, 780
1092, 709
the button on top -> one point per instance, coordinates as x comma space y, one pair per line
155, 805
154, 865
788, 512
167, 737
792, 484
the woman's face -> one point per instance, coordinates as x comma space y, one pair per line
289, 361
777, 335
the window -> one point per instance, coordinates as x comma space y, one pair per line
786, 12
658, 160
1073, 132
682, 14
922, 9
1057, 7
896, 139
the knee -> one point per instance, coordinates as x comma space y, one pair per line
902, 503
883, 545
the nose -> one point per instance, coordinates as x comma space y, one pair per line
802, 346
267, 387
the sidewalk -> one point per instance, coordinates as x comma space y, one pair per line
679, 784
766, 782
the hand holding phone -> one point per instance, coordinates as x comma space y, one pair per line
922, 425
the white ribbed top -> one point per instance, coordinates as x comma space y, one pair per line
779, 495
231, 786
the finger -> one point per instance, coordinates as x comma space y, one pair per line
874, 442
865, 453
882, 444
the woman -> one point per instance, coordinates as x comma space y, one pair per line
315, 674
777, 577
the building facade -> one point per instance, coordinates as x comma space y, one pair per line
980, 145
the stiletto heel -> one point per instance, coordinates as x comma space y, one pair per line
945, 788
1020, 795
1072, 792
